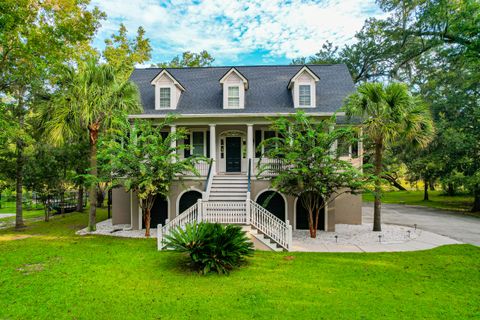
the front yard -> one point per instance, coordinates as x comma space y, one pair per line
437, 199
47, 272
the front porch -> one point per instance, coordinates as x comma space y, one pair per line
230, 148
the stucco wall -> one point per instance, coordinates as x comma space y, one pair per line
120, 206
348, 209
345, 209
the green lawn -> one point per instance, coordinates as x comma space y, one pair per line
437, 199
49, 273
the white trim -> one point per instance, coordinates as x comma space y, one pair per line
205, 137
229, 115
244, 80
307, 70
295, 215
240, 100
283, 196
165, 72
192, 188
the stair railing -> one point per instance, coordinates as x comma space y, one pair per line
209, 180
187, 216
270, 225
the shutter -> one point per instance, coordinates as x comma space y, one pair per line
208, 144
258, 140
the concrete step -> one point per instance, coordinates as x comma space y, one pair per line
262, 239
232, 177
227, 198
229, 189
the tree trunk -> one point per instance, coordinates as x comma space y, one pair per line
147, 222
451, 191
93, 129
80, 198
19, 185
431, 184
100, 197
425, 190
476, 199
394, 182
377, 214
109, 203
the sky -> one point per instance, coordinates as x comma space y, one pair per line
252, 32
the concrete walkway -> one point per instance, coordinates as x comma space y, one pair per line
6, 215
454, 225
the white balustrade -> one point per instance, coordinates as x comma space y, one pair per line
231, 212
270, 225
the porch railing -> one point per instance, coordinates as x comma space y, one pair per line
202, 168
269, 167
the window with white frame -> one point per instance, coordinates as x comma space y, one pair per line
305, 95
234, 97
165, 94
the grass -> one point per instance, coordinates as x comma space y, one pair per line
437, 199
47, 272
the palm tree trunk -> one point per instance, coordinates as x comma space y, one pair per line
377, 214
93, 172
80, 198
425, 190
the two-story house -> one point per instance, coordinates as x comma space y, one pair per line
226, 111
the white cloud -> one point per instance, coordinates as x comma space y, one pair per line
228, 29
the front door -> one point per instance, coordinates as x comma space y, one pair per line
234, 154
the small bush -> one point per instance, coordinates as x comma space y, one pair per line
211, 246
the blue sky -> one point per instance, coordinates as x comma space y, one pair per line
251, 32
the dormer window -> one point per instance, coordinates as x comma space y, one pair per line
167, 91
304, 92
165, 96
303, 87
234, 87
233, 97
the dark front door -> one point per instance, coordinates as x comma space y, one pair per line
234, 154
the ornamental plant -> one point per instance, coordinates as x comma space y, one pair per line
211, 246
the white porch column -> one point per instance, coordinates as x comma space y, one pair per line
213, 148
173, 143
250, 151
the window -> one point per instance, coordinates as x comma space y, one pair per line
305, 95
198, 143
233, 97
261, 135
164, 98
343, 148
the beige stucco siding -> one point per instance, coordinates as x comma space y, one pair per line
120, 206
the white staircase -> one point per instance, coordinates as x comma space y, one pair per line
227, 200
229, 188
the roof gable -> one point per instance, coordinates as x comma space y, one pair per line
164, 72
241, 76
299, 73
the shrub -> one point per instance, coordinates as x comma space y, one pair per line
211, 246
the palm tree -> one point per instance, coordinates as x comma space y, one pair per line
389, 113
88, 100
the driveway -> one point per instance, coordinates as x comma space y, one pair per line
451, 224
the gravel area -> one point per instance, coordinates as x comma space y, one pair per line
119, 230
359, 235
350, 238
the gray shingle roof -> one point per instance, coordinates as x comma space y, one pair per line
267, 93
